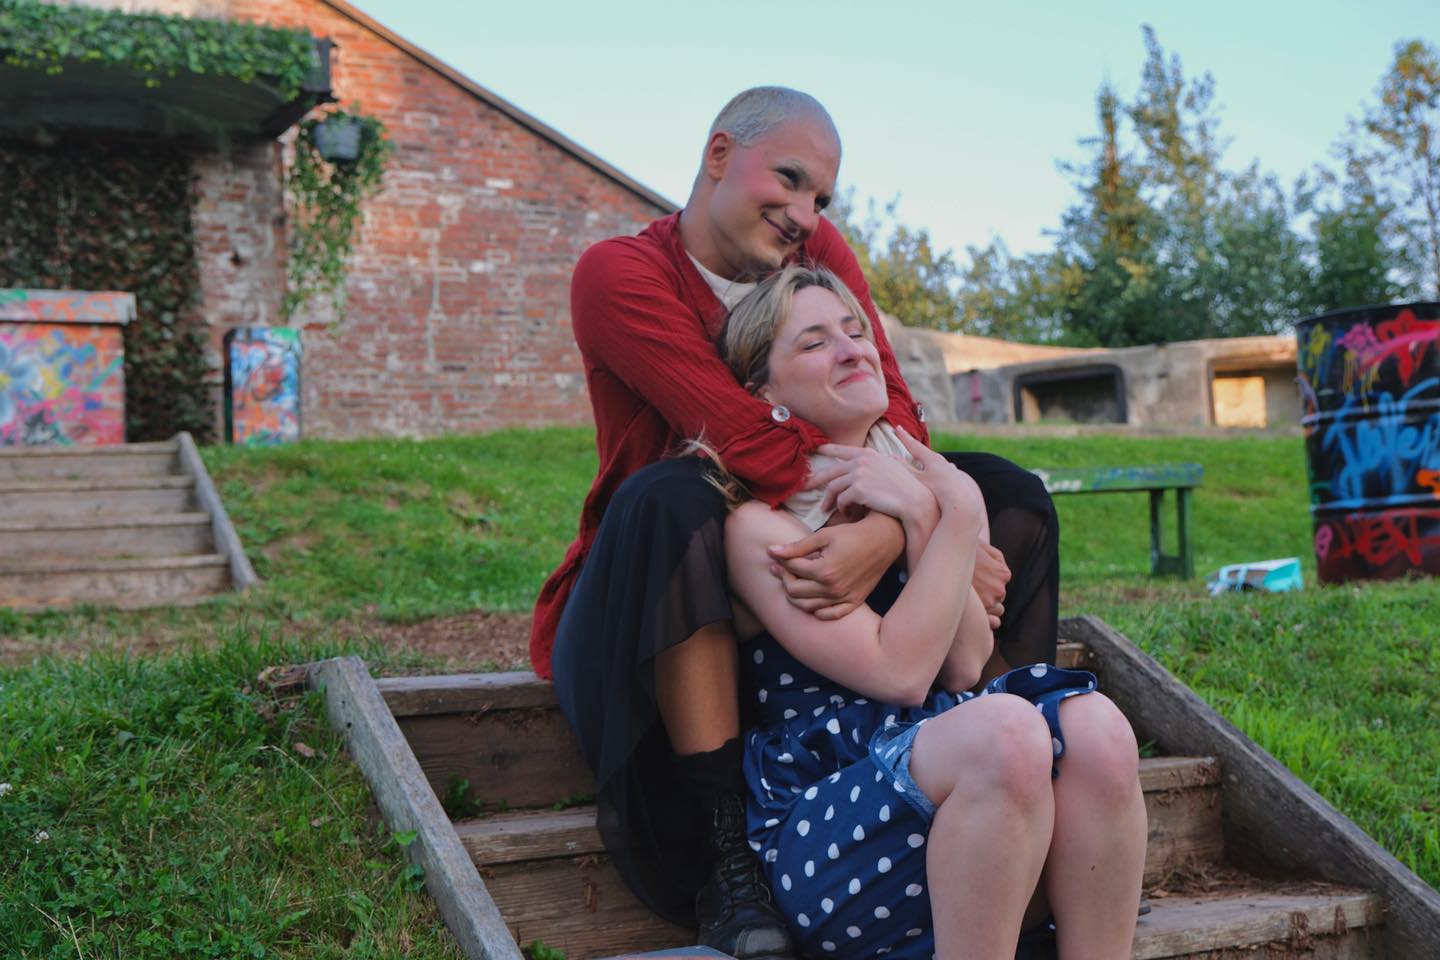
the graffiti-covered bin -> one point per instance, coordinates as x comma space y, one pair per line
262, 385
62, 366
1370, 383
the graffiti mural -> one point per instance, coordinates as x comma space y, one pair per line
62, 360
1370, 382
262, 385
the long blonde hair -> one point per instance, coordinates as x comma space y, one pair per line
747, 339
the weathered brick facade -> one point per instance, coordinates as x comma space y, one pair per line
458, 295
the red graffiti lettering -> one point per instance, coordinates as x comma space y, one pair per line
1379, 539
1404, 338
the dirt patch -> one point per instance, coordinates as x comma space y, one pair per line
476, 641
467, 642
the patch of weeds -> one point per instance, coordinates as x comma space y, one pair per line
573, 800
538, 950
457, 802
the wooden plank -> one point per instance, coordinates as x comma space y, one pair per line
579, 937
1110, 479
227, 541
356, 710
579, 902
481, 692
1182, 801
1184, 832
1178, 773
1272, 819
465, 693
511, 758
531, 835
1296, 922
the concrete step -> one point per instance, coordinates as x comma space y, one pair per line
33, 500
102, 537
82, 463
126, 584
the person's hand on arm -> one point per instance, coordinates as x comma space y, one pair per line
894, 659
991, 576
832, 571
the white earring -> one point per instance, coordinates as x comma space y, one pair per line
779, 413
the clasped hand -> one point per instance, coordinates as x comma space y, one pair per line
832, 571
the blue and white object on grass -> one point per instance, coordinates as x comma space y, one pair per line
1275, 576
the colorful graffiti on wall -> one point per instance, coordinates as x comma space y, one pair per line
61, 383
1370, 382
262, 385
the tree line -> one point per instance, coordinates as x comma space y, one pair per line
1166, 243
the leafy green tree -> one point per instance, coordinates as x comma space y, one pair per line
908, 276
1354, 262
1166, 244
1394, 149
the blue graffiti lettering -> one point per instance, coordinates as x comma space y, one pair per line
1383, 451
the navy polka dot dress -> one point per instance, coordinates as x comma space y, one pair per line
833, 813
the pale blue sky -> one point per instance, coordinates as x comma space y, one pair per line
961, 108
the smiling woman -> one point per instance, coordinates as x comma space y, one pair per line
932, 841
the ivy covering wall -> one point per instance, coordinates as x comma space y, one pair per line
92, 216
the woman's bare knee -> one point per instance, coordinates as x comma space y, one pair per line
1099, 740
996, 746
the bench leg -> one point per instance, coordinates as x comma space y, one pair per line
1182, 528
1182, 563
1156, 556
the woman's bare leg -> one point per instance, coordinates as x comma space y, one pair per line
986, 767
1097, 853
696, 689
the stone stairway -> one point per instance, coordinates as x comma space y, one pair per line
497, 751
132, 525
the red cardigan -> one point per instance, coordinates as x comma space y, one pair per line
646, 323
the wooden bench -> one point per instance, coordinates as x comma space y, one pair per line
1155, 480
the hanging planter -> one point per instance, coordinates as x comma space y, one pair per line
338, 138
338, 164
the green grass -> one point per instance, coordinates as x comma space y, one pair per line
177, 806
183, 819
408, 529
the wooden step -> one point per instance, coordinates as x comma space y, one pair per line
502, 734
118, 497
1310, 921
101, 537
127, 584
547, 867
550, 881
1181, 799
83, 463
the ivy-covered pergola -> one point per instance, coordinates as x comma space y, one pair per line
76, 68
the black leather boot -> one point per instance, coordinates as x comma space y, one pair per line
735, 912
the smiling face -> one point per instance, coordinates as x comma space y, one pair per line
765, 197
825, 368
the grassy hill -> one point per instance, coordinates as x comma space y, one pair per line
187, 796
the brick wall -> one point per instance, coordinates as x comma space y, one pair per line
458, 295
239, 221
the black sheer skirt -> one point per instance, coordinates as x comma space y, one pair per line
654, 576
